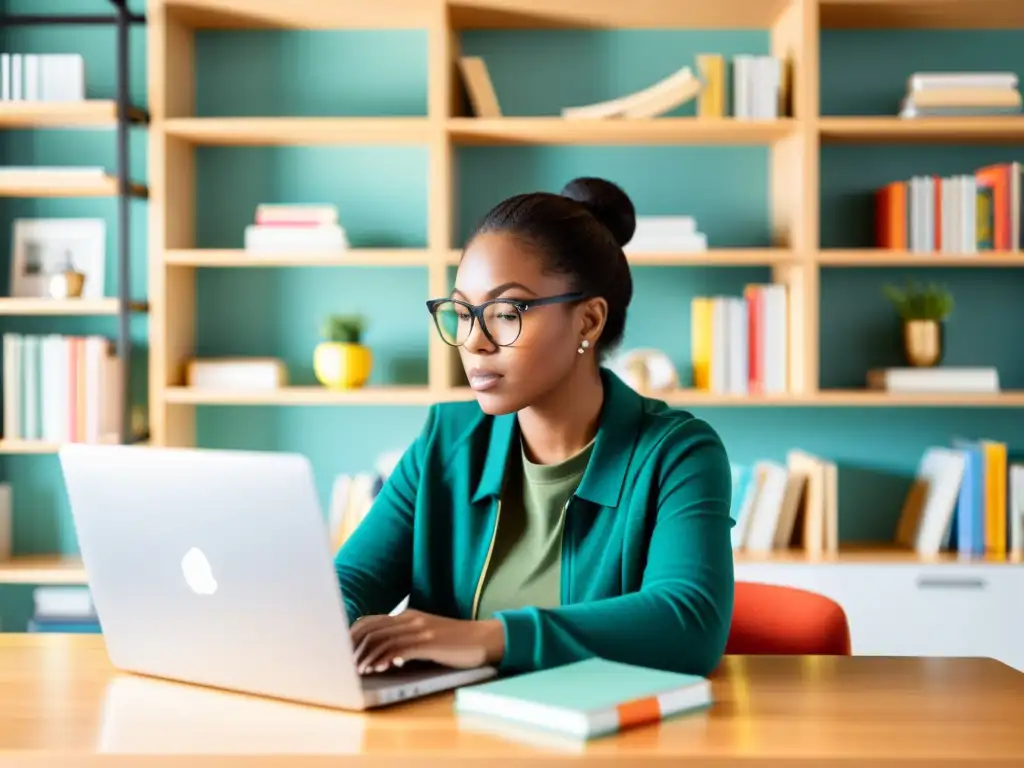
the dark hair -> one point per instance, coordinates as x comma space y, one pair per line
579, 232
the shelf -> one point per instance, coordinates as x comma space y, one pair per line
71, 114
872, 257
295, 131
717, 257
828, 398
612, 14
59, 184
32, 447
871, 554
862, 130
361, 257
42, 569
680, 398
59, 306
656, 131
303, 14
397, 395
921, 14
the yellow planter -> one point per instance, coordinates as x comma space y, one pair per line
339, 365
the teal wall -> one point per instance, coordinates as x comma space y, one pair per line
381, 194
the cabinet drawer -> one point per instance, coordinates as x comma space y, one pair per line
916, 610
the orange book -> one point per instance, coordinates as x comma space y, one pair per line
997, 178
891, 216
755, 338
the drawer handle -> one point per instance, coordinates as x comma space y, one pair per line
950, 582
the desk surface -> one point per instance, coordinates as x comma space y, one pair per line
63, 704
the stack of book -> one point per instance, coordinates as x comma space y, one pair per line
958, 94
666, 234
960, 214
295, 229
739, 343
63, 610
61, 389
42, 77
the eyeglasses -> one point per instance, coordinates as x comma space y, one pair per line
501, 320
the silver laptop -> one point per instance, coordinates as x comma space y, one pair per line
215, 568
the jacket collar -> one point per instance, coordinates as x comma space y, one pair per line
605, 476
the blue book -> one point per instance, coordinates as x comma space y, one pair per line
587, 698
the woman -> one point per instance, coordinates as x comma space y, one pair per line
561, 516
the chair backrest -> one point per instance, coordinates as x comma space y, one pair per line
770, 619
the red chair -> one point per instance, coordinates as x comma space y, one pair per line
774, 620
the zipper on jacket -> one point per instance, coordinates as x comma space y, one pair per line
566, 596
487, 562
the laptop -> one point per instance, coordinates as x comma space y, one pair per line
214, 567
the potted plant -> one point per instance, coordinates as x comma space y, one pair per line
923, 311
341, 361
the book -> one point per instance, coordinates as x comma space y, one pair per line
588, 698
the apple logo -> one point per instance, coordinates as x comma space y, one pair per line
198, 573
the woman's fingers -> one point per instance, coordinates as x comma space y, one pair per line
371, 648
385, 650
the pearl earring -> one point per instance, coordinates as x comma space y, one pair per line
583, 346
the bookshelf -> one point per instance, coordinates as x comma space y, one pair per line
116, 116
794, 258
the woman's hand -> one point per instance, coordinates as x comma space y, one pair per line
380, 642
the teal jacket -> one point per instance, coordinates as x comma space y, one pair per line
647, 566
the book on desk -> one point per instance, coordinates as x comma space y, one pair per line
587, 699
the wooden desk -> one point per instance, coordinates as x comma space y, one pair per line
61, 703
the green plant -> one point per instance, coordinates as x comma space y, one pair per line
921, 302
344, 329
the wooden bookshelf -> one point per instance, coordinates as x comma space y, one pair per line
939, 130
921, 14
52, 307
269, 131
15, 447
42, 569
60, 184
662, 130
792, 255
718, 257
872, 554
876, 257
367, 257
95, 113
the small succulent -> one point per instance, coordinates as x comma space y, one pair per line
344, 329
921, 302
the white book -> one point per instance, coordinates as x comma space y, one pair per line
772, 478
31, 86
921, 81
17, 77
5, 77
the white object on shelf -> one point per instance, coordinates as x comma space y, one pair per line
249, 374
302, 239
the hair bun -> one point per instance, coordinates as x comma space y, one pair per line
607, 202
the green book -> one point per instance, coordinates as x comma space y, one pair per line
587, 698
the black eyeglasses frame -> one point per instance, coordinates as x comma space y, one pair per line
476, 312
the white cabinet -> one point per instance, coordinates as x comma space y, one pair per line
916, 610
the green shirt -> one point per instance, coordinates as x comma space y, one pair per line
646, 573
526, 562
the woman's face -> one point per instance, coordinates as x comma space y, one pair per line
510, 378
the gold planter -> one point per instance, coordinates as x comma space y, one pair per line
922, 342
